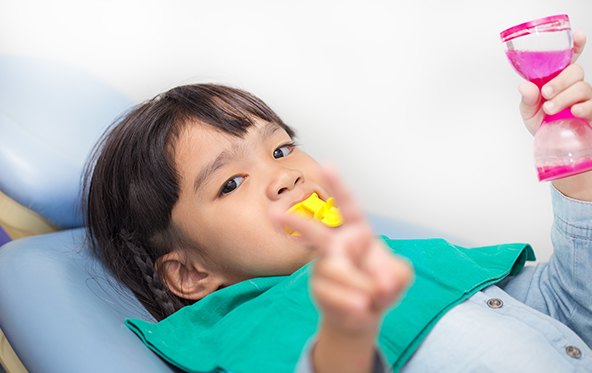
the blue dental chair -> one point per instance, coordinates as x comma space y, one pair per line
60, 311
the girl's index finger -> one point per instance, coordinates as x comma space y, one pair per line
352, 243
310, 230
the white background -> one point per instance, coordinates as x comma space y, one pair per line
413, 100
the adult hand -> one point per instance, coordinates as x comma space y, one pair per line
565, 90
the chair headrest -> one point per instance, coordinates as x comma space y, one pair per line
51, 115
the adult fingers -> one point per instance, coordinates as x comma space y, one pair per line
577, 93
579, 43
583, 110
568, 77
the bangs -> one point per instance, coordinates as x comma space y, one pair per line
230, 110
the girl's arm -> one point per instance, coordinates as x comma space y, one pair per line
355, 279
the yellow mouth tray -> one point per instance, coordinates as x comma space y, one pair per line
314, 207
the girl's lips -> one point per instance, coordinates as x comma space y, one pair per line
303, 197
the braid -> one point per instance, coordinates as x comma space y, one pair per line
165, 301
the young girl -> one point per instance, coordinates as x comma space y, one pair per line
188, 203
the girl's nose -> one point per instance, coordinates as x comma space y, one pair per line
283, 181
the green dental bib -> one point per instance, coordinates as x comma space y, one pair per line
263, 324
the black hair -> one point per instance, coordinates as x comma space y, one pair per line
132, 184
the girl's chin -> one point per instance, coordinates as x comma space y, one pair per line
298, 243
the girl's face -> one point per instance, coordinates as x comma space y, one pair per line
228, 185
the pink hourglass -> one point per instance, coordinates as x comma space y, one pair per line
539, 50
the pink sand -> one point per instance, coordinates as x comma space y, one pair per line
539, 67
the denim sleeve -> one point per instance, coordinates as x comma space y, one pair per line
305, 362
562, 287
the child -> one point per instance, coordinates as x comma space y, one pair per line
187, 206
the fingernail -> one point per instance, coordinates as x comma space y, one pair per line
547, 91
549, 107
577, 110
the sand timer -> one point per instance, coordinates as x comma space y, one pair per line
539, 50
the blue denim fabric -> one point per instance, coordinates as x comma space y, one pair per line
562, 288
542, 324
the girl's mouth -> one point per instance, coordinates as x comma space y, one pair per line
315, 208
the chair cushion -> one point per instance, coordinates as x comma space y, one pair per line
61, 311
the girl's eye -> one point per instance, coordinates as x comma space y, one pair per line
231, 184
283, 151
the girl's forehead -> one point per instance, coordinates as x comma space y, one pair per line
201, 149
201, 139
199, 131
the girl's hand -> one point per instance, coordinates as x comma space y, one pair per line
356, 277
565, 90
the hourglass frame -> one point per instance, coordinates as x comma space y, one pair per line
539, 50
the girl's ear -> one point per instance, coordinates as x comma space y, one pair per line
186, 278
